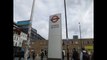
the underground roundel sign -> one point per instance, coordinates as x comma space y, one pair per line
54, 18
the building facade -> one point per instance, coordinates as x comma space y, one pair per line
18, 36
24, 25
37, 45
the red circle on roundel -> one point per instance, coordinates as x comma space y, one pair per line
54, 19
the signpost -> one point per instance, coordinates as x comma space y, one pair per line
55, 38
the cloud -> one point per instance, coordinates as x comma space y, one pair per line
45, 8
22, 9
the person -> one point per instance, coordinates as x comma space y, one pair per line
42, 54
46, 53
37, 57
28, 54
33, 55
89, 54
19, 53
22, 52
67, 53
63, 54
75, 55
92, 57
84, 54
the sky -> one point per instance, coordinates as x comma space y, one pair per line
77, 11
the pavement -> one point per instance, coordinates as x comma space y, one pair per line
16, 58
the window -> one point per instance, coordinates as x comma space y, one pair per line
85, 42
16, 44
17, 38
20, 44
23, 35
71, 42
88, 42
76, 42
13, 37
13, 43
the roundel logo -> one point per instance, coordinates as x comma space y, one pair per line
54, 18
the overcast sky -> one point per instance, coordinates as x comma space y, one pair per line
77, 11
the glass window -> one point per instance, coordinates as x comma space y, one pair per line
88, 42
20, 44
16, 44
71, 42
17, 38
85, 42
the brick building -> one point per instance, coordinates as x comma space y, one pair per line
37, 45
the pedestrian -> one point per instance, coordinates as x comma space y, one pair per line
28, 54
42, 54
84, 55
22, 52
89, 54
75, 55
45, 53
37, 57
67, 54
19, 53
33, 55
63, 54
92, 57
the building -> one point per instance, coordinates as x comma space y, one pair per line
18, 36
24, 25
37, 45
75, 36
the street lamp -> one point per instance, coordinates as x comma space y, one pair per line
66, 29
29, 33
80, 15
80, 35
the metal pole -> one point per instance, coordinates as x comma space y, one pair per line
66, 29
80, 15
80, 35
29, 32
66, 20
